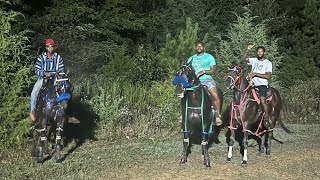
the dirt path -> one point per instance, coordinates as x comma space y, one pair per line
297, 158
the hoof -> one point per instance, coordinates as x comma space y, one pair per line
183, 162
244, 163
208, 165
59, 160
268, 155
40, 160
229, 159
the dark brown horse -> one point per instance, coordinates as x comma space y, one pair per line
246, 114
197, 113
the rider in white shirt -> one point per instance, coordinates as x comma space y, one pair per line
260, 74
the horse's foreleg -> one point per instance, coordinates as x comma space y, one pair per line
186, 147
262, 144
205, 147
270, 134
231, 143
245, 148
60, 122
42, 147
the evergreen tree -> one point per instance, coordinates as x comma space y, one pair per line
180, 47
241, 33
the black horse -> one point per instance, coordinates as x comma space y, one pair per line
245, 114
198, 117
50, 116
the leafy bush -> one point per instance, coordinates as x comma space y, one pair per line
14, 82
131, 110
302, 102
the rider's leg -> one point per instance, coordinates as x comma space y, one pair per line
263, 99
217, 104
34, 95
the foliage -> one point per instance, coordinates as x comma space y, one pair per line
14, 81
180, 47
302, 102
128, 110
241, 33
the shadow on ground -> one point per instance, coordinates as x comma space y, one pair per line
85, 129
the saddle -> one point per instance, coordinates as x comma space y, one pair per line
255, 94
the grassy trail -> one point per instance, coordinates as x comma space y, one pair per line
297, 158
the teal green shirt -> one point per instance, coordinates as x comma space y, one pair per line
202, 63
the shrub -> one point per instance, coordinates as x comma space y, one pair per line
15, 80
302, 102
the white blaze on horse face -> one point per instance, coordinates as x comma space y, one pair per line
230, 152
245, 155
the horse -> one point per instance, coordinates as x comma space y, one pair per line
198, 116
246, 115
50, 115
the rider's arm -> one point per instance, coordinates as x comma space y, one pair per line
267, 75
39, 66
212, 70
61, 66
245, 56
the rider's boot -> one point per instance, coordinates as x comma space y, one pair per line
32, 123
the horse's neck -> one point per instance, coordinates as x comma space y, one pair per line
194, 97
241, 93
50, 89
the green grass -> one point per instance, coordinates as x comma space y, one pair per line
297, 158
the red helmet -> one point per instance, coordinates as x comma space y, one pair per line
49, 41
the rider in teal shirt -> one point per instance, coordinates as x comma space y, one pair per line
204, 65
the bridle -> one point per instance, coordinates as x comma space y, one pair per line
235, 75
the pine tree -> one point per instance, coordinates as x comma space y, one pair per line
180, 47
241, 33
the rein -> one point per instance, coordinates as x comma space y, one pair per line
201, 109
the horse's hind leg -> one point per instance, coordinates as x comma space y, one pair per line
231, 143
270, 135
205, 147
186, 148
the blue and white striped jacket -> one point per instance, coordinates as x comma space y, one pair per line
50, 65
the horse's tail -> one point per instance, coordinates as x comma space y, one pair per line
283, 126
281, 142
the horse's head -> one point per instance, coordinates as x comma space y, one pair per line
185, 78
55, 86
234, 76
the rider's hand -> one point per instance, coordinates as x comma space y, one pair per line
200, 74
47, 74
250, 47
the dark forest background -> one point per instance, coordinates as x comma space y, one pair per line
122, 55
